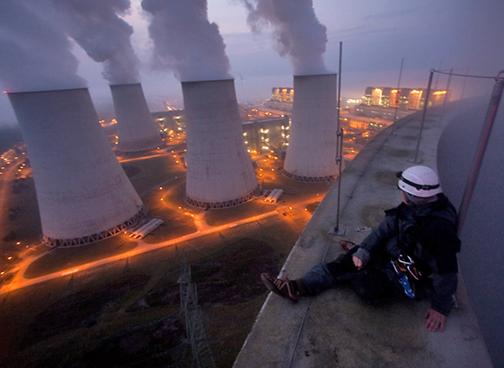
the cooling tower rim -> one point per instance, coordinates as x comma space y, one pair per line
93, 238
224, 204
308, 179
125, 84
45, 91
314, 75
207, 81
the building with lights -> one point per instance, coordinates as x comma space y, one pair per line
283, 94
266, 135
403, 98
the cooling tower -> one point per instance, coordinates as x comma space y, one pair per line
311, 155
83, 194
219, 170
137, 130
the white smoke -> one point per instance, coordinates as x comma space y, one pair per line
34, 54
185, 41
97, 27
298, 32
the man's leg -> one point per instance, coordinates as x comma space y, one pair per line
326, 275
321, 277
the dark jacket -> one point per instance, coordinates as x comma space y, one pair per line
428, 233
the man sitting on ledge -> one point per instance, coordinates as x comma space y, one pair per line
412, 253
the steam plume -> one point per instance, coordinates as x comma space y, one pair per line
96, 26
185, 41
298, 32
35, 55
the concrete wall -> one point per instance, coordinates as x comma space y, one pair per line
219, 170
137, 130
312, 146
81, 189
482, 254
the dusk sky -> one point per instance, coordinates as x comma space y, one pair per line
463, 34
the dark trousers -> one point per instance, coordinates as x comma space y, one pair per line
373, 283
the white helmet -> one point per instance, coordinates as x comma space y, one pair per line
419, 181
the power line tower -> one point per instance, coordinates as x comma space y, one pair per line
195, 328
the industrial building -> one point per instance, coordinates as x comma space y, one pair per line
282, 94
311, 154
219, 170
136, 129
83, 194
265, 136
403, 98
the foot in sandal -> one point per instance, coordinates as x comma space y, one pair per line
288, 289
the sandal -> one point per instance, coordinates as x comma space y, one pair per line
283, 287
347, 245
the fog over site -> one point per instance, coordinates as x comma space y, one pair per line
87, 21
33, 63
463, 34
296, 30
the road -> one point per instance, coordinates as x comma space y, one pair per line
145, 157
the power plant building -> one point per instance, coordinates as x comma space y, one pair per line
83, 194
136, 129
219, 170
266, 136
311, 154
282, 94
403, 98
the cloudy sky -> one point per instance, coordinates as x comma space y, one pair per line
463, 34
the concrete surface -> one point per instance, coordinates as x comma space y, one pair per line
483, 231
336, 329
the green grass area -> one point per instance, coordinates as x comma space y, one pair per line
61, 258
128, 316
175, 224
23, 215
146, 175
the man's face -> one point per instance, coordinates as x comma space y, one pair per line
404, 198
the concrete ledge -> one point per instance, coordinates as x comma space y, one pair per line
336, 329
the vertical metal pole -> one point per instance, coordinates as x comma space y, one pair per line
424, 114
462, 94
339, 140
486, 130
340, 169
447, 95
338, 90
436, 82
398, 90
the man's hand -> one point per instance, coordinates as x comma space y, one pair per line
357, 262
435, 321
